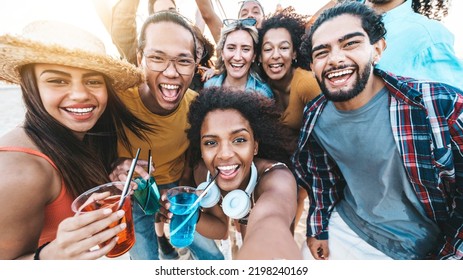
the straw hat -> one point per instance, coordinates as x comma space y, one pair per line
60, 43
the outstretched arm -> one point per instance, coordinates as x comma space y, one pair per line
124, 28
211, 18
268, 234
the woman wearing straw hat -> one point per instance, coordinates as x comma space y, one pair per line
66, 144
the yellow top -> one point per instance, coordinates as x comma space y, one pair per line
168, 142
304, 88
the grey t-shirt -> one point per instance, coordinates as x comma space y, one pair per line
379, 202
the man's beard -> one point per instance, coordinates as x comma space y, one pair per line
345, 95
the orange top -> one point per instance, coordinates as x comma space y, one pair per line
57, 210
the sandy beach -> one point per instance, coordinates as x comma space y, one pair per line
11, 107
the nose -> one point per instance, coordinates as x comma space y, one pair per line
237, 55
171, 69
79, 91
336, 56
276, 54
225, 151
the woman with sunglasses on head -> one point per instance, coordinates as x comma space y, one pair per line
236, 63
248, 9
67, 143
281, 66
238, 139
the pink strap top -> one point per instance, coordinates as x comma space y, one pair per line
57, 210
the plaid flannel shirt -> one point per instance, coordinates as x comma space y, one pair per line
427, 125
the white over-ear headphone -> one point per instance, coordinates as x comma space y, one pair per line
236, 204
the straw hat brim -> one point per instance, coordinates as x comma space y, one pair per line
16, 52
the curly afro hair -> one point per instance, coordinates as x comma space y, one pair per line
293, 22
263, 117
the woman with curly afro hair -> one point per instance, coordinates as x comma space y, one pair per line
284, 69
238, 141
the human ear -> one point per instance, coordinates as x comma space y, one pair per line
139, 58
379, 48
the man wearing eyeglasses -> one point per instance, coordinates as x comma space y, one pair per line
167, 56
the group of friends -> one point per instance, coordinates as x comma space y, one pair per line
359, 108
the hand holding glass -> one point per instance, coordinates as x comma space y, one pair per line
183, 222
111, 193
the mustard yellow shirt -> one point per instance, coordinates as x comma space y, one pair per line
304, 88
168, 142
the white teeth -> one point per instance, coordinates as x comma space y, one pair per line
340, 73
167, 86
237, 65
227, 168
276, 65
79, 110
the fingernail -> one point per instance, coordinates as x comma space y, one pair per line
123, 225
120, 213
107, 211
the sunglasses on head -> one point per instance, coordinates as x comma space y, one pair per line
243, 21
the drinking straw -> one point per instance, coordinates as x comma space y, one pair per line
206, 189
125, 191
150, 163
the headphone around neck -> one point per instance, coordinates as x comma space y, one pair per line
237, 203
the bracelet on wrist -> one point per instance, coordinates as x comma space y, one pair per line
37, 252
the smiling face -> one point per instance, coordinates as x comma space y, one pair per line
74, 97
251, 9
227, 144
342, 57
167, 87
238, 54
277, 53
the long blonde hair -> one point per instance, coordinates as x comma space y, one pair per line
227, 30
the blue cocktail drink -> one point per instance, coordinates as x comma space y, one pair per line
183, 222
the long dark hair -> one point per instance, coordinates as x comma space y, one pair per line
261, 113
82, 164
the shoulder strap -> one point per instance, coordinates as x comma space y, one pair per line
29, 151
277, 164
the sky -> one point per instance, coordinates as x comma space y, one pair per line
14, 14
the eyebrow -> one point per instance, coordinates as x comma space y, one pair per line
85, 75
240, 44
278, 43
163, 53
343, 38
233, 132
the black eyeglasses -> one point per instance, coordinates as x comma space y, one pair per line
243, 21
160, 62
